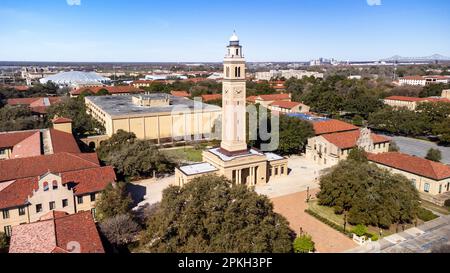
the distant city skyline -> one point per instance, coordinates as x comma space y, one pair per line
196, 31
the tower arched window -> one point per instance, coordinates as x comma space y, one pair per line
237, 51
236, 72
46, 186
239, 72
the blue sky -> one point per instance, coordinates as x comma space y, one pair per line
198, 30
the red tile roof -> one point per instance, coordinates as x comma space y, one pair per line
75, 233
111, 89
90, 180
347, 140
211, 97
332, 126
34, 166
9, 139
273, 97
16, 193
412, 164
404, 98
415, 78
61, 120
180, 94
285, 104
34, 102
63, 142
30, 146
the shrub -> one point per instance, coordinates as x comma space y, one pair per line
4, 241
447, 203
328, 222
303, 244
426, 215
373, 236
360, 230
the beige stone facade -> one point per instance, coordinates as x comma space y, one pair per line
50, 195
154, 119
329, 149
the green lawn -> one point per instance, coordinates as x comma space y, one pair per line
328, 213
184, 154
433, 207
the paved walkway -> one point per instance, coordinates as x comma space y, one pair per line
303, 175
149, 191
415, 240
327, 239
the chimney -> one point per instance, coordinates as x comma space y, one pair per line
62, 124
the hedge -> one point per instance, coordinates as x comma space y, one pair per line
329, 223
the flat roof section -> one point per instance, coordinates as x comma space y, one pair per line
273, 157
200, 168
121, 106
217, 152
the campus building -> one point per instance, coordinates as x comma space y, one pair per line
329, 149
162, 118
411, 103
57, 232
431, 179
233, 159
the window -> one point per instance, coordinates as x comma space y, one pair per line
8, 231
2, 152
282, 170
21, 211
426, 188
55, 184
92, 197
65, 203
440, 189
237, 51
38, 208
80, 199
5, 214
51, 205
45, 186
93, 212
276, 171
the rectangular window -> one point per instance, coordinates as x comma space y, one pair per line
282, 170
426, 188
21, 211
80, 199
38, 208
93, 211
2, 152
51, 205
92, 197
65, 203
276, 171
8, 230
440, 189
5, 214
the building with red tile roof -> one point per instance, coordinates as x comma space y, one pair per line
181, 93
329, 149
211, 97
330, 126
112, 90
36, 105
431, 179
34, 166
286, 107
411, 103
32, 143
58, 233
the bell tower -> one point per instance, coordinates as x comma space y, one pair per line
234, 99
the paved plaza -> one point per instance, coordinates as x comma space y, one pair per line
326, 239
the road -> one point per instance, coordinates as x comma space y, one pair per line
416, 240
420, 148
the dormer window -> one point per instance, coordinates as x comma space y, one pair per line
46, 186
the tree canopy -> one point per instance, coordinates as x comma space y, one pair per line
370, 195
133, 158
114, 200
434, 155
209, 216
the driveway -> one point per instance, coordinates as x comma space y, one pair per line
326, 239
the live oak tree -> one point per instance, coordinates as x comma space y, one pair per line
120, 230
208, 215
133, 158
434, 155
114, 200
369, 195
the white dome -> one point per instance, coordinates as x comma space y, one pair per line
234, 38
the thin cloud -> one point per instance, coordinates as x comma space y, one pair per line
374, 2
73, 2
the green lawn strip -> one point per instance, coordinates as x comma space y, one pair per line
185, 154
